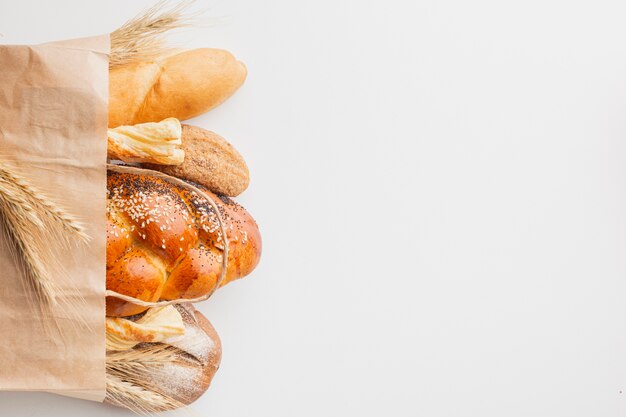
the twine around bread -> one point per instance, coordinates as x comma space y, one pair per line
198, 191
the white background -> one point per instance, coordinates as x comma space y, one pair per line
441, 187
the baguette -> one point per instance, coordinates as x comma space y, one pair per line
183, 86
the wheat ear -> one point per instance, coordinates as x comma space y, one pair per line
35, 226
128, 376
142, 38
40, 290
42, 205
149, 354
140, 400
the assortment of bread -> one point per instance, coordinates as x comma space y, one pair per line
174, 235
166, 242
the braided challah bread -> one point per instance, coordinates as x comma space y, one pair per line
164, 241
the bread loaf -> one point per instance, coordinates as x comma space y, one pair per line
164, 243
179, 379
183, 86
210, 161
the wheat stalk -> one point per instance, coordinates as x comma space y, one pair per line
21, 246
147, 354
35, 226
42, 206
141, 38
142, 401
128, 377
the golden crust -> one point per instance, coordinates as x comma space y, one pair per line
183, 86
195, 275
175, 243
118, 238
128, 87
136, 274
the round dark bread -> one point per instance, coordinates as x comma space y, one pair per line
209, 161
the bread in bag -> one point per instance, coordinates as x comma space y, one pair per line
183, 86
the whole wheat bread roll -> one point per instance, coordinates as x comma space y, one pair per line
183, 86
210, 161
184, 379
164, 242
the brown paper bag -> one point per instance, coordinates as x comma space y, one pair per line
53, 124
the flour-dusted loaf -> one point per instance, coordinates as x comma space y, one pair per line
179, 378
164, 242
183, 86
